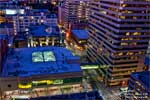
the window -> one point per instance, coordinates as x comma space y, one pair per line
9, 85
37, 57
136, 33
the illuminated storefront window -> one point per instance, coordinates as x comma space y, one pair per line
49, 82
25, 86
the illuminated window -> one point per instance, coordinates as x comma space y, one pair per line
20, 18
134, 17
128, 33
124, 5
32, 17
124, 44
42, 21
123, 17
120, 54
136, 33
130, 53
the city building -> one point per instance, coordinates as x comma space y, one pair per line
118, 37
61, 11
33, 17
3, 49
139, 86
43, 35
79, 38
77, 41
36, 68
76, 14
7, 28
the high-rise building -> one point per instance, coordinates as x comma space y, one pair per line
118, 37
76, 13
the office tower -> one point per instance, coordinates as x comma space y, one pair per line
76, 13
119, 34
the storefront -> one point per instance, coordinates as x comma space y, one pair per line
51, 82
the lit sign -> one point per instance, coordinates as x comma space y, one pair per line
11, 12
25, 86
48, 82
94, 66
14, 11
58, 82
90, 67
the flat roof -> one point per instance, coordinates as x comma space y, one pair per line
81, 34
24, 62
3, 36
44, 30
143, 78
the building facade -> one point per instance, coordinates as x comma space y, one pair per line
7, 28
118, 37
42, 35
139, 86
76, 13
34, 17
39, 67
3, 49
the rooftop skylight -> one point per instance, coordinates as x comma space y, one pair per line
43, 56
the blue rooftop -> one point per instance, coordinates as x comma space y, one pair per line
25, 62
51, 16
40, 10
3, 36
43, 30
81, 34
143, 78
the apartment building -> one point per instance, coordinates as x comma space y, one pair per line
76, 13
